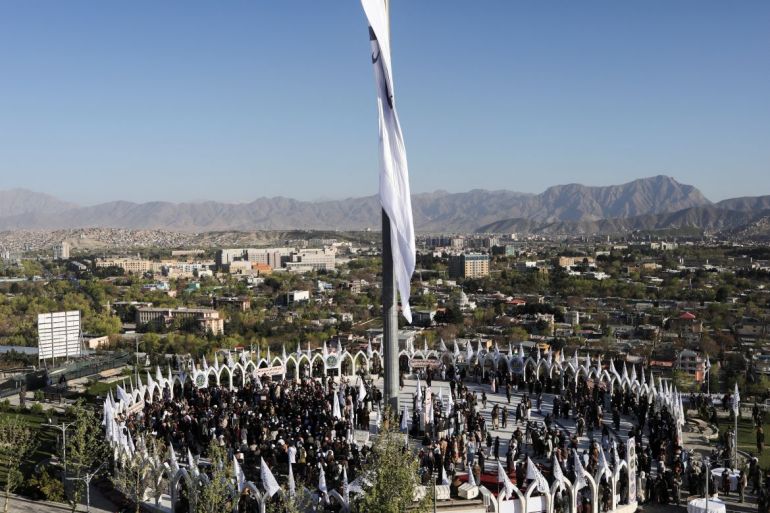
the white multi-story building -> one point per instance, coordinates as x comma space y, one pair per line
61, 251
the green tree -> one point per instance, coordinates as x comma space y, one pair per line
390, 475
17, 443
133, 478
217, 496
86, 446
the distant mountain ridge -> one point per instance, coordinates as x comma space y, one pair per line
440, 211
14, 202
706, 219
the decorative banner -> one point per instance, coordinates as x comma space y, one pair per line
201, 379
423, 364
332, 362
517, 365
631, 458
276, 370
136, 407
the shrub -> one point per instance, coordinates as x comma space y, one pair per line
47, 487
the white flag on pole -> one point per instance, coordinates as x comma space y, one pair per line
322, 481
394, 173
336, 413
558, 474
443, 476
123, 396
191, 463
345, 486
292, 485
268, 480
736, 400
361, 390
604, 467
502, 477
580, 478
534, 473
240, 477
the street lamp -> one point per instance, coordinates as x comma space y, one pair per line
63, 429
87, 480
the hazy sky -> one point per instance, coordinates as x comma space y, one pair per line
233, 100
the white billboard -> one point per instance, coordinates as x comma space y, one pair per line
59, 334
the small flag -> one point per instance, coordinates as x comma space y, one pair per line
471, 479
534, 473
240, 477
736, 400
268, 480
191, 463
361, 390
604, 467
558, 475
345, 486
336, 407
502, 477
123, 396
322, 480
580, 478
292, 486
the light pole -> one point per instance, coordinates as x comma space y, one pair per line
708, 477
63, 429
136, 355
87, 480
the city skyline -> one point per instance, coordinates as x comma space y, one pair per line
231, 103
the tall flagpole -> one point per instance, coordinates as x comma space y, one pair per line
389, 318
389, 307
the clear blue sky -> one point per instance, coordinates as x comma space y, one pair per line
233, 100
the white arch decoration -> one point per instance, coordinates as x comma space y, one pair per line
361, 360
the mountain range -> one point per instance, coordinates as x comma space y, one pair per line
654, 203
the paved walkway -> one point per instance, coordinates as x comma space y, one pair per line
99, 504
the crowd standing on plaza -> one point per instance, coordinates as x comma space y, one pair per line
311, 424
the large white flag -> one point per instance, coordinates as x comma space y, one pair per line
268, 480
394, 173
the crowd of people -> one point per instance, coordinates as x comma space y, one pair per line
584, 427
279, 421
585, 419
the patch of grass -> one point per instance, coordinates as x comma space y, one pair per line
747, 438
101, 388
